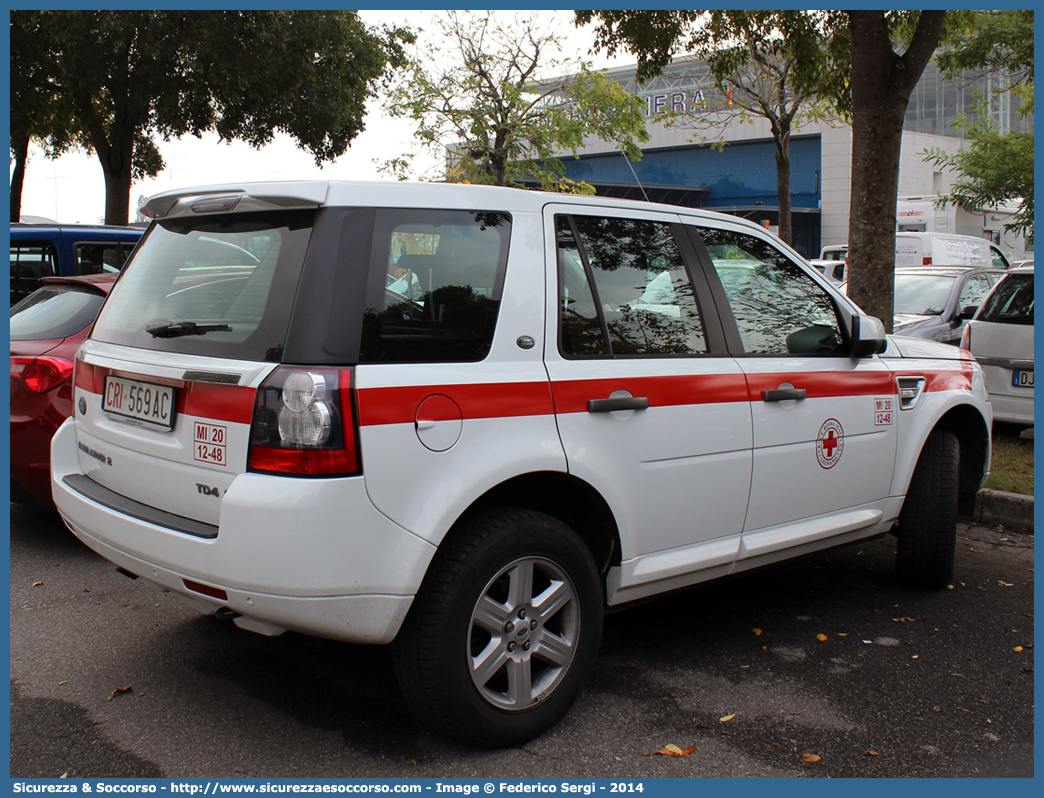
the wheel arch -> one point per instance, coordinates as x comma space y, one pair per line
967, 423
572, 501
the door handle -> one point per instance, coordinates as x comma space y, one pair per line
782, 394
617, 403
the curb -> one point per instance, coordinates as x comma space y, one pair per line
1000, 508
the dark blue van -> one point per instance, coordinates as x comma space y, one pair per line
45, 250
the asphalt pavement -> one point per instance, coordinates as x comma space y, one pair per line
819, 667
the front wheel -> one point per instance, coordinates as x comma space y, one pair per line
928, 520
504, 629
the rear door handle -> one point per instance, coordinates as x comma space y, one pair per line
617, 403
782, 394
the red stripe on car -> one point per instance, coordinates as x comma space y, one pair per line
825, 384
956, 380
572, 396
232, 403
495, 400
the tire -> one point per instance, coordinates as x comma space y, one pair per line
928, 520
503, 631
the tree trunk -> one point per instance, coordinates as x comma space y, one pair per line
116, 158
20, 148
117, 196
780, 125
114, 144
786, 229
882, 82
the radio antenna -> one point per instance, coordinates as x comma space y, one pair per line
636, 180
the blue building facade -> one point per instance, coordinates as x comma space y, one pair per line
739, 179
740, 176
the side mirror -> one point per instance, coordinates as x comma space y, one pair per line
868, 336
968, 312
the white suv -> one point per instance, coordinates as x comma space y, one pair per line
465, 420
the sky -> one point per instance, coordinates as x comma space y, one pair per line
71, 189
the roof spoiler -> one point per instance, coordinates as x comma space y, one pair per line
238, 197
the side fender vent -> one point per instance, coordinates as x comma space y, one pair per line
910, 390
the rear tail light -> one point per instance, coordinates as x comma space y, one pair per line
926, 260
303, 424
41, 374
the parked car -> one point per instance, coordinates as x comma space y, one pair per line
47, 250
833, 270
947, 249
832, 262
1001, 338
464, 420
47, 328
834, 252
1018, 264
935, 302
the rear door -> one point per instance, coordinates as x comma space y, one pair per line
824, 423
453, 398
650, 409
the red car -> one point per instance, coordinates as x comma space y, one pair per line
47, 327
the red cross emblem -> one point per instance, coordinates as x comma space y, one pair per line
830, 443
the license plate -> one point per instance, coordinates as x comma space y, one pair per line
141, 401
1022, 379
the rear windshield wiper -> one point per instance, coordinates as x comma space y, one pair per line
176, 329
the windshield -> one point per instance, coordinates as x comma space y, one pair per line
211, 285
922, 294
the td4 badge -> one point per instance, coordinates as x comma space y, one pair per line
830, 443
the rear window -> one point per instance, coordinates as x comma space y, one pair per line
1011, 301
54, 312
217, 285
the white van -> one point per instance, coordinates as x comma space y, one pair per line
945, 249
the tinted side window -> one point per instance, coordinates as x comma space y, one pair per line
434, 285
29, 262
98, 258
640, 288
779, 309
1011, 302
579, 326
973, 291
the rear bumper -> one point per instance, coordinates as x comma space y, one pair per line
312, 556
1012, 409
1011, 405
